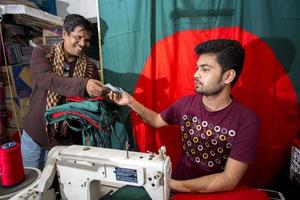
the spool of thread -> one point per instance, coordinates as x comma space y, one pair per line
11, 165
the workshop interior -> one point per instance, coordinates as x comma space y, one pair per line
144, 50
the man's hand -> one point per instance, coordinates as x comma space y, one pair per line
94, 88
217, 182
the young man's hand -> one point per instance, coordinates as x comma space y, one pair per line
120, 99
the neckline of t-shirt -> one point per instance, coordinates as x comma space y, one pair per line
219, 111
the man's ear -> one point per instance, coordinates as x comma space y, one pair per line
64, 33
229, 76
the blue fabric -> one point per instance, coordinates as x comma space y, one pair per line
32, 153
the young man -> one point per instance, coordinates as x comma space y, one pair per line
58, 71
219, 135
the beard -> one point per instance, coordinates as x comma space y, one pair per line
210, 91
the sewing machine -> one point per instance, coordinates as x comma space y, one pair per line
89, 173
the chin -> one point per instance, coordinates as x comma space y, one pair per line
198, 91
77, 51
77, 54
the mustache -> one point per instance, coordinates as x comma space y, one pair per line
196, 80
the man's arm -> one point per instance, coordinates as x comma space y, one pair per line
223, 181
68, 86
149, 116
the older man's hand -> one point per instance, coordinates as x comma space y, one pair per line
94, 88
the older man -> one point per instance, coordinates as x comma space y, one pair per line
58, 71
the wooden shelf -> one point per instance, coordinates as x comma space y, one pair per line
31, 15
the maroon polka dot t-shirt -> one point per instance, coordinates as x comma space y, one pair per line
209, 138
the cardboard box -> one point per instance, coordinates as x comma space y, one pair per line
13, 118
21, 109
21, 81
18, 97
10, 92
51, 36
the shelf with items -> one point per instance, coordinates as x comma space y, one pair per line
21, 25
31, 16
27, 23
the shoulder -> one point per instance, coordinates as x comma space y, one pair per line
189, 99
41, 50
38, 50
245, 113
38, 53
184, 102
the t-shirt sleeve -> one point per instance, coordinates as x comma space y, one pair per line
171, 115
244, 145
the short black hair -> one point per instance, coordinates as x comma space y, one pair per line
73, 20
230, 54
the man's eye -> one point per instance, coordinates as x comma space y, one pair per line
77, 37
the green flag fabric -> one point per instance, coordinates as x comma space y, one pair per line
148, 51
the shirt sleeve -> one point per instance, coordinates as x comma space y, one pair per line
171, 115
43, 76
244, 145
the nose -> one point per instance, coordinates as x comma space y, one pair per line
197, 74
82, 42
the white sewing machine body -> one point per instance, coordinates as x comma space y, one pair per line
88, 173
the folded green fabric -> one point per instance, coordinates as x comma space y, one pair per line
94, 119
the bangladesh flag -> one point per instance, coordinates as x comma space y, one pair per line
148, 50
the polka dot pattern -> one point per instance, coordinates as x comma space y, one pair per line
206, 143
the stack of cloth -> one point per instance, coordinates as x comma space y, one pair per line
93, 118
